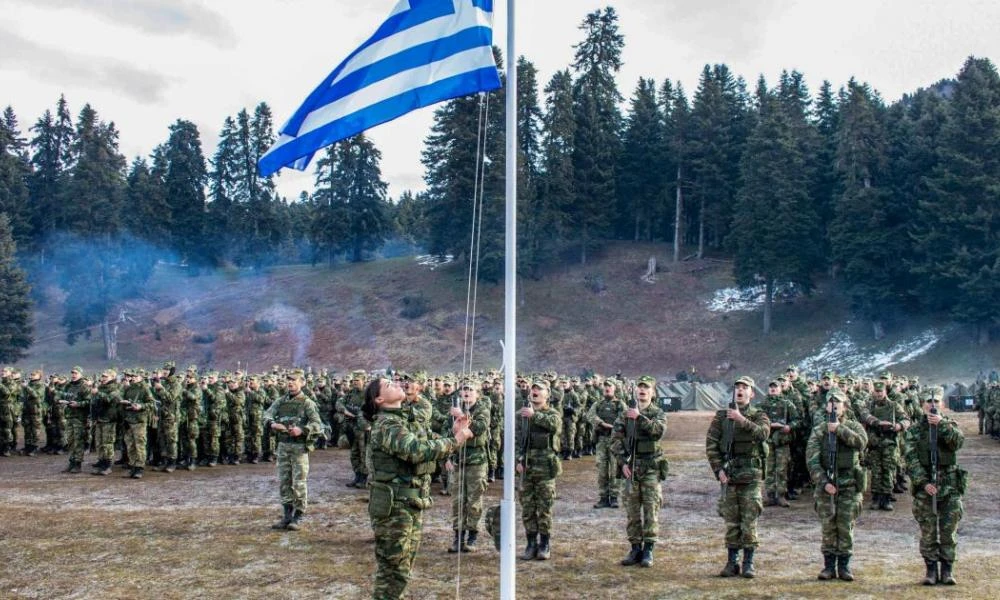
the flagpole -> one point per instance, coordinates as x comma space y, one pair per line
508, 582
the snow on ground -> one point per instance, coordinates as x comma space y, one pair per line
434, 261
843, 355
751, 298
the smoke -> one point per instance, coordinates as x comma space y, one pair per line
296, 322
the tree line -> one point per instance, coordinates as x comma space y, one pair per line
897, 200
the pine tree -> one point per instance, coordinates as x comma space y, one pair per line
328, 221
641, 178
826, 183
15, 170
146, 213
363, 195
535, 219
183, 184
15, 303
222, 226
597, 137
556, 192
676, 149
95, 191
51, 158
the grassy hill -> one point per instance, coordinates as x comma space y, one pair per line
600, 316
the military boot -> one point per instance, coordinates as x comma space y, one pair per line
296, 523
646, 558
254, 459
212, 461
136, 473
613, 501
931, 578
633, 557
286, 517
103, 467
772, 500
458, 542
887, 503
604, 502
491, 475
469, 545
190, 466
947, 577
829, 567
543, 547
748, 570
69, 467
354, 482
844, 568
782, 502
170, 466
732, 568
531, 550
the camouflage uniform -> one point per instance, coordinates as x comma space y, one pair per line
496, 433
168, 393
293, 452
105, 407
780, 412
938, 532
76, 421
9, 397
838, 513
33, 408
883, 447
572, 408
136, 418
402, 459
603, 415
356, 429
467, 483
541, 434
636, 444
740, 503
236, 405
214, 401
257, 402
55, 422
191, 417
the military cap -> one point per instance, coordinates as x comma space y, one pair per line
448, 379
192, 368
886, 375
934, 392
791, 369
128, 372
774, 383
296, 374
829, 375
358, 374
169, 365
879, 385
471, 382
745, 380
837, 396
36, 373
109, 373
418, 376
646, 380
77, 370
611, 381
914, 379
540, 382
781, 379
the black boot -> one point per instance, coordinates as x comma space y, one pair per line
170, 466
646, 560
748, 569
844, 568
829, 567
469, 545
613, 502
362, 481
947, 577
296, 523
543, 547
634, 556
458, 542
931, 578
136, 473
771, 500
491, 475
531, 550
354, 482
732, 568
887, 502
604, 502
285, 519
876, 501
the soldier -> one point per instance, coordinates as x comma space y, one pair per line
937, 486
214, 401
886, 420
136, 404
467, 469
402, 460
355, 427
76, 400
257, 403
105, 409
784, 418
637, 434
236, 405
297, 425
32, 412
191, 419
571, 411
167, 391
538, 463
603, 414
9, 397
55, 423
496, 430
735, 449
833, 457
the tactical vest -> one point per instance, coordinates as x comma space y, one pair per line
946, 457
388, 467
290, 413
847, 457
744, 446
886, 412
645, 445
607, 411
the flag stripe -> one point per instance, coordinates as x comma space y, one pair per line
291, 152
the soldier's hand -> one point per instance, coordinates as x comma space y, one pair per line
461, 422
898, 427
832, 427
723, 478
527, 412
626, 472
449, 466
734, 414
455, 411
632, 413
295, 431
278, 427
931, 489
73, 404
934, 419
830, 489
519, 468
607, 425
464, 434
786, 429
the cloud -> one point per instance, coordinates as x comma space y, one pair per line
161, 17
69, 67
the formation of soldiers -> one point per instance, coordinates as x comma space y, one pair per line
988, 407
765, 451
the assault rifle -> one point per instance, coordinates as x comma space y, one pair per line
728, 432
933, 441
630, 440
831, 467
523, 444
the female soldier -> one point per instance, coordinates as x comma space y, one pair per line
402, 460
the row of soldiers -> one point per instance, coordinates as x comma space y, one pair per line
987, 404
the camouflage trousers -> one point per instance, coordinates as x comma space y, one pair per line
358, 452
135, 444
104, 439
293, 474
76, 439
642, 504
538, 496
837, 521
397, 539
7, 427
31, 422
467, 489
187, 439
236, 438
778, 461
739, 508
210, 439
938, 533
883, 460
493, 455
255, 432
569, 435
608, 483
55, 431
584, 434
167, 438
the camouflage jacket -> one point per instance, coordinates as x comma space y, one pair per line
918, 459
746, 460
780, 411
851, 440
397, 450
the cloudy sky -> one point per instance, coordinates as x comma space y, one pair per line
146, 63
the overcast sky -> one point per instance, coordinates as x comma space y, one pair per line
146, 63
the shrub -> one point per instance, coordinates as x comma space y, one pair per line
264, 326
414, 307
204, 338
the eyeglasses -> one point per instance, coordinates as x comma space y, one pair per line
933, 401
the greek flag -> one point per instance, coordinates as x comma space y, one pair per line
427, 51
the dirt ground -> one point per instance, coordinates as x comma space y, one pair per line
206, 535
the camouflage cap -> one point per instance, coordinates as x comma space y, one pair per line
781, 379
36, 373
109, 373
915, 379
886, 375
774, 383
296, 374
169, 365
646, 380
77, 370
791, 369
358, 374
192, 368
540, 382
745, 380
470, 382
837, 396
933, 392
829, 375
878, 385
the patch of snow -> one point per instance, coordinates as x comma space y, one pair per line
751, 298
434, 261
843, 355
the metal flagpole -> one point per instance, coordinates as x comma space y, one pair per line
508, 583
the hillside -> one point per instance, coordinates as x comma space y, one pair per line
601, 316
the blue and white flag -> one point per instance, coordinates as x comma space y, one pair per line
427, 51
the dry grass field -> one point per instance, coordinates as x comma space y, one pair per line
206, 535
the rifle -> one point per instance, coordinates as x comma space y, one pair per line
831, 468
933, 435
523, 444
630, 440
728, 432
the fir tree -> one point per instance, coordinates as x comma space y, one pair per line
15, 169
183, 185
51, 160
556, 192
95, 191
15, 303
641, 179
